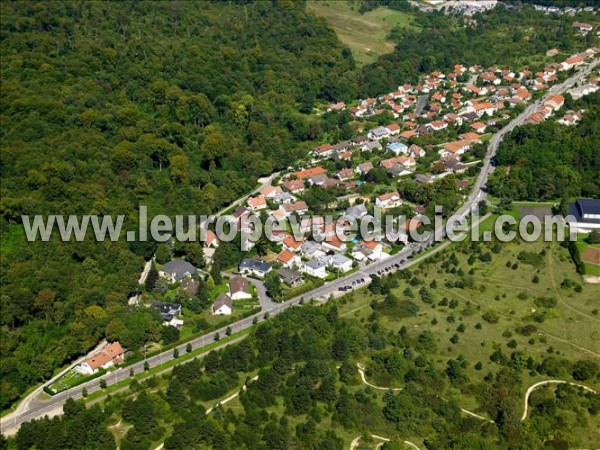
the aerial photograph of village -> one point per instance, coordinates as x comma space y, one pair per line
300, 224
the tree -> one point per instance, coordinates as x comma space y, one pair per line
175, 353
188, 348
163, 254
146, 366
228, 331
152, 277
84, 393
170, 334
273, 285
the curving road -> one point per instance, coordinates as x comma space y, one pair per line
37, 407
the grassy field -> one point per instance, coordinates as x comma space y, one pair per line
570, 329
365, 34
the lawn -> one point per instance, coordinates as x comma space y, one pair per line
589, 255
569, 329
365, 34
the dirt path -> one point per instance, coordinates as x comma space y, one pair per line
356, 441
361, 371
231, 397
533, 387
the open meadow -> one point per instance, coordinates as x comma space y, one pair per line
365, 34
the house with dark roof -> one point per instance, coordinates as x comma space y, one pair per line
169, 312
254, 267
290, 277
177, 270
585, 214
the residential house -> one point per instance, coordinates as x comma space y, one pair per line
404, 160
416, 151
345, 174
177, 270
356, 212
295, 208
340, 106
393, 129
112, 354
479, 127
291, 244
555, 102
288, 259
371, 146
571, 118
359, 141
290, 277
334, 243
389, 200
317, 180
210, 239
257, 203
303, 174
270, 191
397, 148
239, 288
222, 306
371, 250
294, 186
437, 125
364, 168
474, 137
169, 312
484, 108
312, 250
424, 178
282, 198
254, 267
378, 133
314, 268
453, 164
408, 134
323, 151
583, 27
399, 170
455, 148
339, 263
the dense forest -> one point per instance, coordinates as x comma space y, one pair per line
551, 161
107, 106
307, 393
519, 38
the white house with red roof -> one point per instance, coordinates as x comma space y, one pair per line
109, 356
288, 259
389, 200
257, 203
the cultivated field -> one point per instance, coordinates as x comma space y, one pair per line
365, 34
